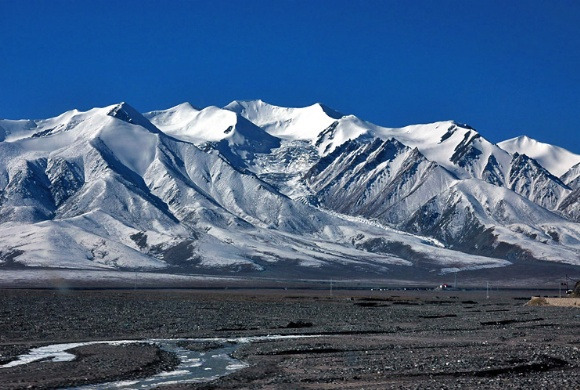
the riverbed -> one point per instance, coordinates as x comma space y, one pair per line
356, 338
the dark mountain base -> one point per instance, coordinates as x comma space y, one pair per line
532, 274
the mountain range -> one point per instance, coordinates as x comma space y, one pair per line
257, 189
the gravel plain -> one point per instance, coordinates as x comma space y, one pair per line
366, 339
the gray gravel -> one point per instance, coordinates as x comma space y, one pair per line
379, 339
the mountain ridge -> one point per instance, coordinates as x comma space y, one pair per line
554, 158
252, 186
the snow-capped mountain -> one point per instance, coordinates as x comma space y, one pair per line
257, 188
555, 159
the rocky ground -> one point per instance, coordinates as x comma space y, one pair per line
367, 339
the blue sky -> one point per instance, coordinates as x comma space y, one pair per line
506, 68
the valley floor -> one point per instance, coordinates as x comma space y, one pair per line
364, 339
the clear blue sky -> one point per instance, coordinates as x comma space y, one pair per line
506, 68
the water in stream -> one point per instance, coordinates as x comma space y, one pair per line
194, 366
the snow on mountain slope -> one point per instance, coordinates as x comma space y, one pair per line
93, 166
572, 177
570, 206
13, 129
285, 166
287, 123
385, 180
178, 119
477, 217
205, 181
236, 138
392, 183
447, 143
458, 148
243, 143
56, 244
113, 188
555, 159
212, 124
456, 151
528, 178
107, 189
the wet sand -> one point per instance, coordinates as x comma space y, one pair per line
367, 339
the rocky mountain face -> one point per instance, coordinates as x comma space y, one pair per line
572, 177
528, 178
382, 180
256, 188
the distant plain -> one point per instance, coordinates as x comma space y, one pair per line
402, 338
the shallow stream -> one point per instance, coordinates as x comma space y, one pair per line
194, 366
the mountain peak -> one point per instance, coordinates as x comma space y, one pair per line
523, 140
459, 124
123, 111
211, 124
239, 106
295, 123
242, 106
555, 159
186, 106
330, 111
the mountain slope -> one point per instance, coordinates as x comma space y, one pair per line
256, 188
385, 180
553, 158
459, 149
108, 189
302, 135
392, 183
286, 123
528, 178
477, 217
572, 177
